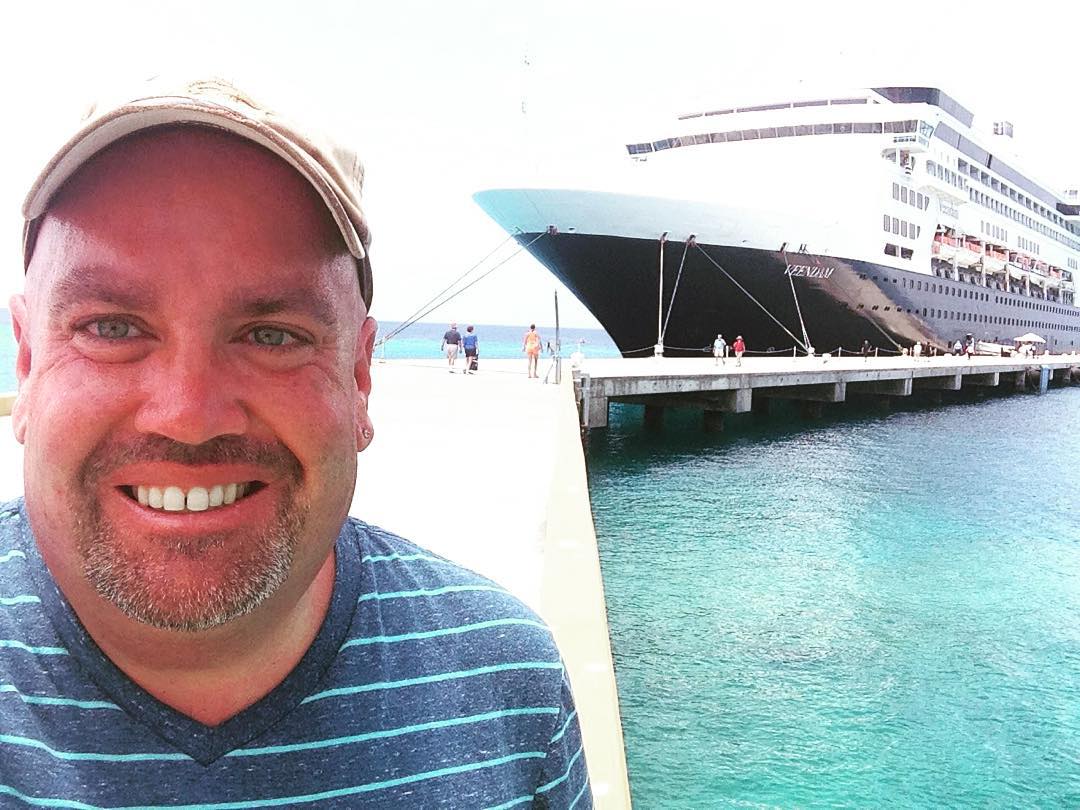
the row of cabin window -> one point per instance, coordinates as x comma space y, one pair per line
899, 226
994, 231
987, 201
781, 106
1007, 210
1028, 304
1000, 320
1006, 190
967, 292
843, 128
915, 198
977, 317
946, 174
1029, 246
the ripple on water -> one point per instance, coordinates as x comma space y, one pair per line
874, 610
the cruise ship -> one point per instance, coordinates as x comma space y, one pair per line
814, 224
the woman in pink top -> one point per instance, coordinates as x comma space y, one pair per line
739, 347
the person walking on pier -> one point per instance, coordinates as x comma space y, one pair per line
196, 617
471, 345
451, 340
719, 350
865, 350
532, 346
739, 346
916, 350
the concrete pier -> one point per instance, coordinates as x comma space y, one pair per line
488, 470
661, 382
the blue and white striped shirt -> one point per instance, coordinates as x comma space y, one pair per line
427, 686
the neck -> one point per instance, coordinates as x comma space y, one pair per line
213, 675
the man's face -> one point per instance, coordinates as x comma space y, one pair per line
192, 337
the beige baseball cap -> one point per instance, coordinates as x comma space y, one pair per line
332, 169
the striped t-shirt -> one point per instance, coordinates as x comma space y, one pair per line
427, 686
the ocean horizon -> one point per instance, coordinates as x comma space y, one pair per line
418, 341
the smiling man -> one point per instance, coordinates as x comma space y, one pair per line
188, 618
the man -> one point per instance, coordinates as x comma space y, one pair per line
189, 617
451, 339
719, 350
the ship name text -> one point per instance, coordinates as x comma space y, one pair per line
808, 271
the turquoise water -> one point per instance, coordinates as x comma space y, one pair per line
873, 610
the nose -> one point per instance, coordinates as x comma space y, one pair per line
191, 396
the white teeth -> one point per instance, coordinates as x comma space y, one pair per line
173, 500
196, 499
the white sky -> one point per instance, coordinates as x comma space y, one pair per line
434, 92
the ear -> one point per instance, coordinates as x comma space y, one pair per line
20, 322
365, 349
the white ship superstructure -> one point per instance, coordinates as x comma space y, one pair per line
831, 219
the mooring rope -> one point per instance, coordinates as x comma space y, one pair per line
748, 294
798, 309
441, 298
675, 289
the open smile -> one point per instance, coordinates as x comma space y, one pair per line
191, 499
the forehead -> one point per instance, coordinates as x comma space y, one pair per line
196, 205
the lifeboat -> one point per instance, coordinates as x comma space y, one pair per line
945, 247
994, 260
970, 252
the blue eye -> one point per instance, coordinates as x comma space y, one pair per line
272, 336
113, 329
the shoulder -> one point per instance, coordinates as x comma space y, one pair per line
11, 525
11, 519
419, 591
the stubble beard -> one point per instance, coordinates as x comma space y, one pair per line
133, 573
132, 579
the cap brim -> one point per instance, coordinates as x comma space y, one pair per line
165, 111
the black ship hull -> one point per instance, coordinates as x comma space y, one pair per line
769, 297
